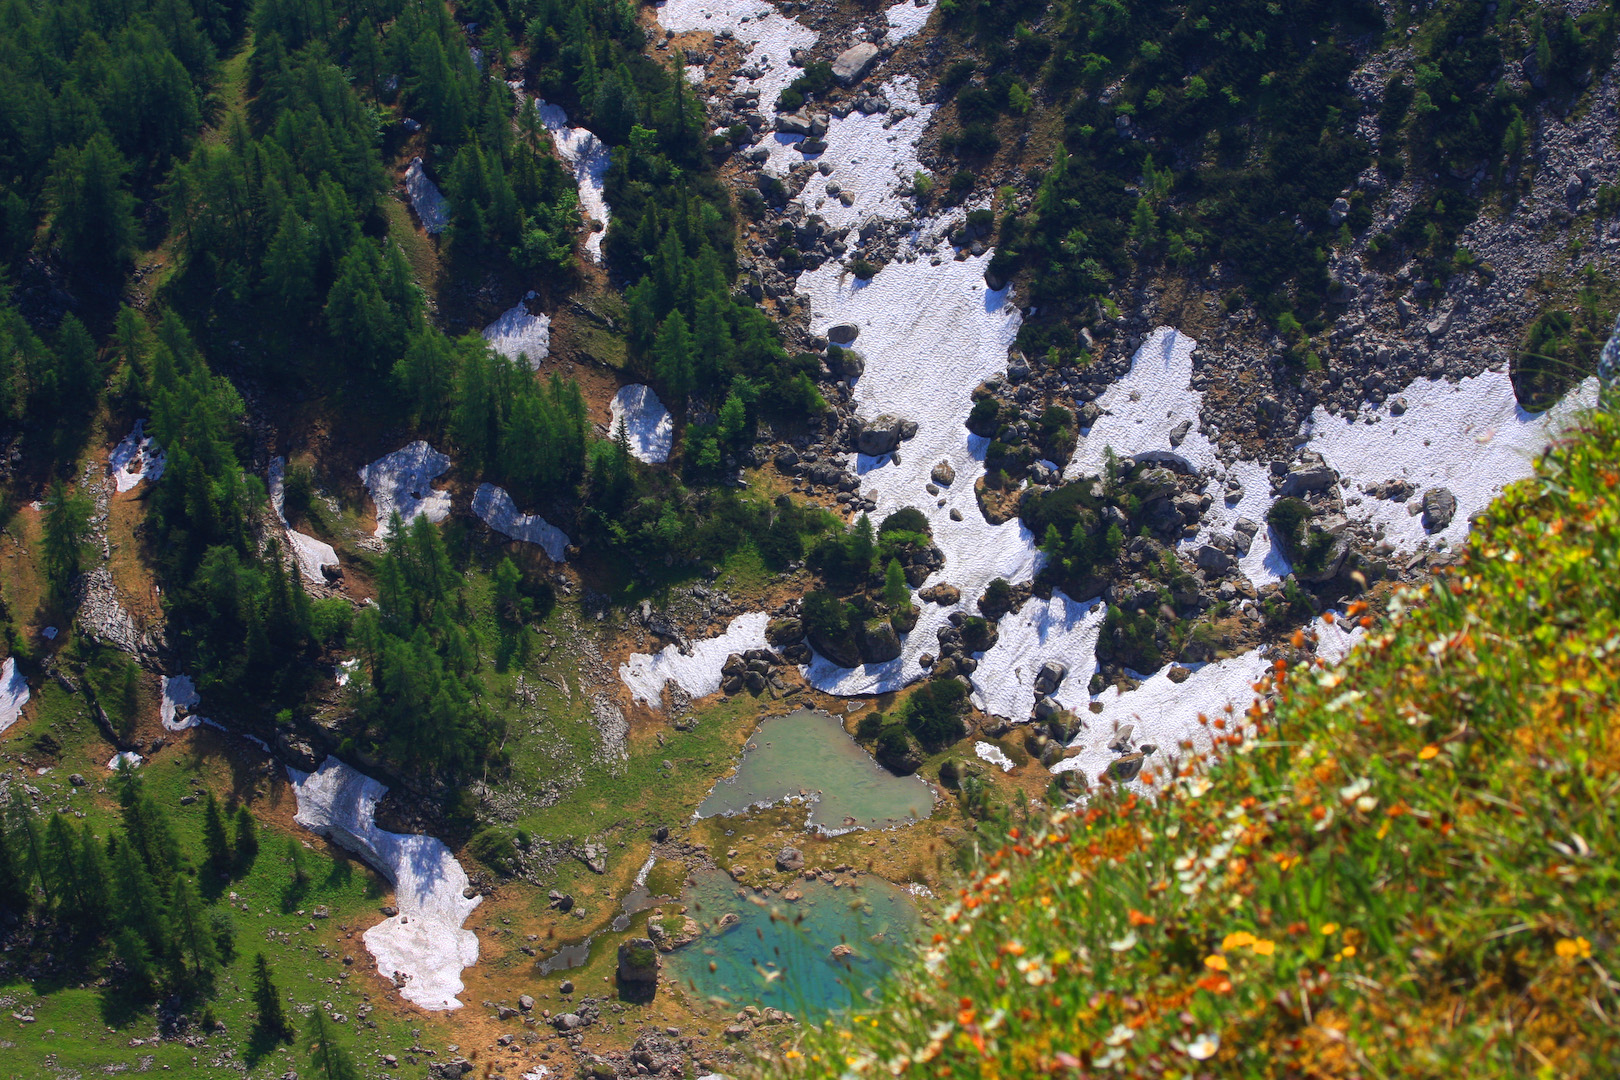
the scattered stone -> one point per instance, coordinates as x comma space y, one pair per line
1439, 507
944, 473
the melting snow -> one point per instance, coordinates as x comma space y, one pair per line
1335, 639
136, 458
179, 693
1470, 437
771, 36
994, 755
129, 759
696, 671
311, 554
425, 943
497, 510
906, 18
1042, 630
403, 481
426, 198
646, 422
590, 159
520, 335
872, 158
13, 692
1140, 410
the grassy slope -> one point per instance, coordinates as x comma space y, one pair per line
1406, 869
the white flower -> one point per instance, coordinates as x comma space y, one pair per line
1124, 944
1203, 1048
1351, 792
1366, 803
1119, 1036
1198, 785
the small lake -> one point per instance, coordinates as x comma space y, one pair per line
809, 755
780, 954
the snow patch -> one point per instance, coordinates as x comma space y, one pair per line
696, 671
426, 199
425, 944
1164, 713
873, 158
1470, 437
137, 457
906, 19
994, 755
930, 335
1335, 640
13, 693
770, 35
402, 481
646, 422
179, 693
520, 336
1140, 410
128, 759
310, 554
1056, 629
590, 159
497, 510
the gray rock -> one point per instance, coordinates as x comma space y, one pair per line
1051, 676
879, 643
1307, 478
1214, 560
944, 473
854, 62
1439, 507
525, 1002
879, 436
798, 123
843, 333
790, 858
638, 961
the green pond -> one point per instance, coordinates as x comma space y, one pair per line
780, 954
809, 755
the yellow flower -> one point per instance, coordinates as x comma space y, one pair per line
1216, 963
1428, 752
1237, 940
1573, 948
1262, 947
1329, 929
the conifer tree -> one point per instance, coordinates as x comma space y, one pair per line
215, 842
193, 940
94, 881
672, 358
141, 905
92, 213
14, 892
895, 593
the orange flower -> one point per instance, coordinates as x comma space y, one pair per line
1136, 918
1216, 962
1215, 983
1428, 752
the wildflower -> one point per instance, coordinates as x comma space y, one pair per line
1238, 940
1262, 947
1577, 948
1126, 943
1136, 918
1329, 929
1203, 1048
1215, 983
1012, 948
1216, 962
1429, 752
1119, 1036
1198, 785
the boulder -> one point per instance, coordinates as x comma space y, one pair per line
841, 953
881, 435
783, 632
843, 333
944, 473
941, 594
845, 363
1051, 676
1127, 768
1306, 478
799, 123
879, 643
525, 1002
638, 963
1439, 507
790, 858
1212, 559
854, 62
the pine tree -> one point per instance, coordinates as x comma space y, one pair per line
78, 372
895, 592
67, 526
141, 906
15, 896
289, 264
95, 883
328, 1059
92, 213
194, 943
62, 863
272, 1016
672, 359
215, 842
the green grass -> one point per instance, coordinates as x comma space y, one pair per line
82, 1024
1401, 867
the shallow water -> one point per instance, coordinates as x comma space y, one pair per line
781, 954
809, 755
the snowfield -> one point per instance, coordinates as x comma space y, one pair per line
696, 671
426, 199
403, 482
497, 510
873, 158
425, 945
521, 336
646, 422
13, 692
137, 457
179, 693
772, 37
311, 554
589, 157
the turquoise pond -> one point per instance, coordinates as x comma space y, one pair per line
780, 953
809, 755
